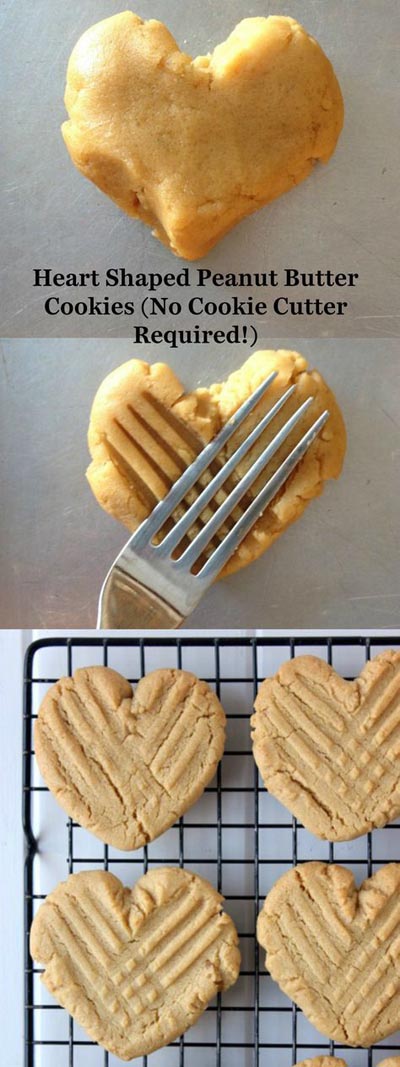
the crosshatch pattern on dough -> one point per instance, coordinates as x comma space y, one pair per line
253, 1024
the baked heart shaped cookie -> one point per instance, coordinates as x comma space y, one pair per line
393, 1061
135, 967
144, 430
329, 749
126, 764
335, 950
193, 146
322, 1061
332, 1061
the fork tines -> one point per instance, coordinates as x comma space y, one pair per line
193, 553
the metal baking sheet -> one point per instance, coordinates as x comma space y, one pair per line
337, 566
346, 216
236, 835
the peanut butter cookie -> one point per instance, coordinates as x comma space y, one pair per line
335, 950
135, 967
328, 749
124, 764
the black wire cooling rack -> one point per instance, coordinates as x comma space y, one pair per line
255, 1026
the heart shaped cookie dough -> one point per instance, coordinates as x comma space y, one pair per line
329, 749
135, 967
193, 146
335, 950
144, 431
126, 765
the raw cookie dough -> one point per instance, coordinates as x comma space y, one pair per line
144, 430
192, 146
123, 764
328, 749
335, 950
135, 967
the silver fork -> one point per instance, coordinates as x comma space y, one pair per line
147, 587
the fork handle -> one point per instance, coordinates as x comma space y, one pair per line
126, 604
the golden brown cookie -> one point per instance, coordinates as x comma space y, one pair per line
333, 1061
328, 749
144, 430
322, 1061
126, 764
335, 950
193, 146
135, 967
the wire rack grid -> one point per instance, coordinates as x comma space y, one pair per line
237, 836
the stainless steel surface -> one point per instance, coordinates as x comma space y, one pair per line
151, 584
346, 216
125, 603
337, 566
